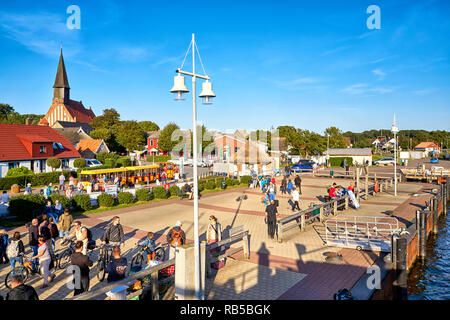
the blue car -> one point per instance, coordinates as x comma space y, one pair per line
302, 165
434, 160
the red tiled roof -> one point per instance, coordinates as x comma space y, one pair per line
89, 145
427, 145
82, 114
11, 147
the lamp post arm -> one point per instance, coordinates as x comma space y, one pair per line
192, 74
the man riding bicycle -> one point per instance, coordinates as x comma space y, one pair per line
150, 246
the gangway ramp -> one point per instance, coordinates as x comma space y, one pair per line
360, 232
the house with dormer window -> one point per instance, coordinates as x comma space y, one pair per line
30, 146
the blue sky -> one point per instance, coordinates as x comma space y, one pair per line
310, 64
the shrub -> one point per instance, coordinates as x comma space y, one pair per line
245, 179
125, 197
102, 156
123, 162
110, 163
159, 158
201, 187
105, 200
23, 206
160, 193
339, 161
79, 163
210, 185
174, 190
19, 171
229, 182
66, 202
144, 194
38, 179
236, 182
82, 201
55, 163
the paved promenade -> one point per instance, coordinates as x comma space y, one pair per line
293, 269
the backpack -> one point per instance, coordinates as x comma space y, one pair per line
89, 233
54, 230
13, 249
176, 237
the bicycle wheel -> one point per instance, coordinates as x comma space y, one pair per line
159, 254
138, 260
17, 271
101, 270
64, 259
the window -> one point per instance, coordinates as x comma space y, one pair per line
42, 149
151, 142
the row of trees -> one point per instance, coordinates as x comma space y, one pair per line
9, 115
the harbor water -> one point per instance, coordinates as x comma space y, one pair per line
430, 279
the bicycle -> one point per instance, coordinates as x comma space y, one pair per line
63, 259
104, 256
138, 258
24, 270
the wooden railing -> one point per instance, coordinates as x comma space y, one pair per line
100, 294
236, 234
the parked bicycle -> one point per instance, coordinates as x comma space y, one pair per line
138, 258
63, 258
24, 270
104, 257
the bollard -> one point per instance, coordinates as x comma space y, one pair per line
367, 187
346, 203
334, 208
381, 187
321, 214
246, 247
398, 253
435, 214
279, 233
302, 222
421, 226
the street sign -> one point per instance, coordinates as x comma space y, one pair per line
111, 189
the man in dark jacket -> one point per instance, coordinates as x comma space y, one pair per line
21, 291
33, 234
83, 262
114, 233
117, 267
298, 183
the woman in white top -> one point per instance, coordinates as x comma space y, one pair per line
44, 261
214, 231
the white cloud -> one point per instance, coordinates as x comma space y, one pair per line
379, 73
362, 88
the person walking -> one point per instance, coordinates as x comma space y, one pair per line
44, 261
271, 191
20, 291
44, 231
64, 223
213, 231
175, 237
3, 246
54, 232
295, 199
83, 262
33, 234
271, 219
290, 186
15, 250
298, 183
283, 185
117, 267
62, 181
114, 233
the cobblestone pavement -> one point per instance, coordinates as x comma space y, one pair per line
293, 269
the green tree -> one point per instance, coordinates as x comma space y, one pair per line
80, 163
130, 135
148, 126
55, 163
108, 119
5, 109
19, 171
165, 142
204, 137
336, 137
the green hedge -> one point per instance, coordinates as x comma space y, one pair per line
160, 193
144, 194
245, 179
19, 171
38, 179
174, 190
102, 156
338, 161
229, 182
82, 201
159, 158
201, 187
123, 162
125, 197
210, 185
110, 163
66, 202
23, 206
105, 200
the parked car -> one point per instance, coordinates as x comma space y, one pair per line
434, 160
93, 163
303, 165
384, 161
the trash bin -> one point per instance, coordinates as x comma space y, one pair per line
331, 173
223, 184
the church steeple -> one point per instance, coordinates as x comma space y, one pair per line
61, 88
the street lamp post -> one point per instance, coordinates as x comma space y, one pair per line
179, 88
395, 131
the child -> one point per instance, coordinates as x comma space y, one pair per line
150, 245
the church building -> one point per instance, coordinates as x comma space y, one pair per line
63, 108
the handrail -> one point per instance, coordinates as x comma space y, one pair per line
140, 274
